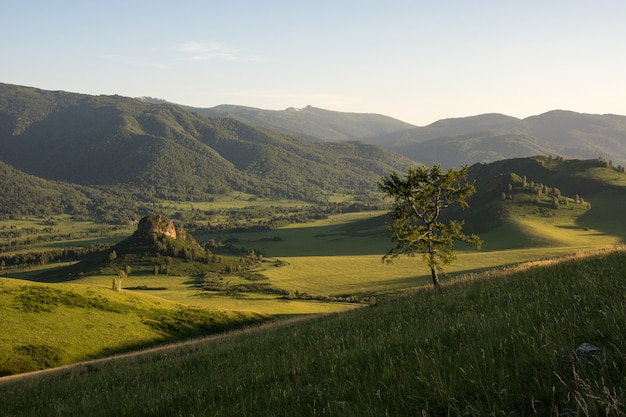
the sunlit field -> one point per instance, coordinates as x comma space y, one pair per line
185, 291
484, 346
324, 266
339, 256
48, 325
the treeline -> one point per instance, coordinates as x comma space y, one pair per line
218, 281
32, 259
259, 218
27, 195
111, 152
539, 193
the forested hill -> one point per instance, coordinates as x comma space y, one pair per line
451, 142
165, 151
314, 123
24, 194
493, 137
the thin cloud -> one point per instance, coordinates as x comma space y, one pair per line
207, 51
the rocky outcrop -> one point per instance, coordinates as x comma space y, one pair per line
157, 224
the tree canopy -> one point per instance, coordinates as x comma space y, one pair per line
420, 198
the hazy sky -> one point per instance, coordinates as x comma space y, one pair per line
417, 61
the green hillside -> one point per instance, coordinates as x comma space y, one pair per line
552, 193
503, 346
491, 137
46, 325
451, 142
27, 195
506, 212
468, 149
164, 151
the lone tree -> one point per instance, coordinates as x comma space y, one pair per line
420, 197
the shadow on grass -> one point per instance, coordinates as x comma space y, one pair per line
363, 237
607, 212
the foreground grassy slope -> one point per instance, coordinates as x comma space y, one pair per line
503, 346
50, 325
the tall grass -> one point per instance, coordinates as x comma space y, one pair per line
501, 346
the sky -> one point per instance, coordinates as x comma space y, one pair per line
417, 61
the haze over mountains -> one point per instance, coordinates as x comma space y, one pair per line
451, 142
165, 151
145, 149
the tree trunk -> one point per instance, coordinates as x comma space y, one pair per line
435, 278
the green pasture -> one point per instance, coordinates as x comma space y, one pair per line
332, 276
341, 256
528, 232
367, 275
63, 224
481, 347
46, 325
185, 291
59, 231
336, 258
343, 234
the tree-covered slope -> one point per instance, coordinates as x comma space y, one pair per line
25, 194
538, 202
554, 194
107, 141
457, 151
455, 141
165, 151
491, 137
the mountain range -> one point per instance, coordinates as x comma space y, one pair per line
165, 151
77, 153
449, 142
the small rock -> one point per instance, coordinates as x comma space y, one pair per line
586, 351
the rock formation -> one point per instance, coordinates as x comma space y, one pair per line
157, 224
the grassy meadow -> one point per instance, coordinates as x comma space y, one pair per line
33, 233
47, 325
321, 263
341, 256
481, 346
323, 266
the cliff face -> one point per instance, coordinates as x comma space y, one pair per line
157, 224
